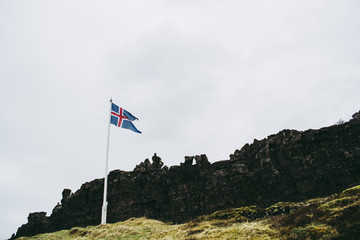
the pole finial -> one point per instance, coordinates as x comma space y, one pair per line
110, 99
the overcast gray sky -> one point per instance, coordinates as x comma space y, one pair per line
202, 77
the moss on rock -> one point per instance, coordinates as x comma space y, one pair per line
282, 208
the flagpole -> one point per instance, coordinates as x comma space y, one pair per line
104, 207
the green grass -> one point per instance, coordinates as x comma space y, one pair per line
335, 217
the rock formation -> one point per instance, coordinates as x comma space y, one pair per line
288, 166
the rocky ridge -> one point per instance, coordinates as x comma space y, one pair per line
288, 166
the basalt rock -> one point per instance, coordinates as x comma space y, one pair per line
37, 223
288, 166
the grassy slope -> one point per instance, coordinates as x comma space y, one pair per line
334, 217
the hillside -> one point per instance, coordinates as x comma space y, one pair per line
332, 217
289, 166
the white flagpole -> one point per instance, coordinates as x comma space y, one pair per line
104, 207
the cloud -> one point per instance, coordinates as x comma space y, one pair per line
202, 77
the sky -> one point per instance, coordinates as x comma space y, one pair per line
202, 76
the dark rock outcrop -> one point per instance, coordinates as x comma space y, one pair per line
288, 166
356, 116
37, 223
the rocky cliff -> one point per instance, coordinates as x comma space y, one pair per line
288, 166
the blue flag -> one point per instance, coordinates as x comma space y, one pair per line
122, 118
